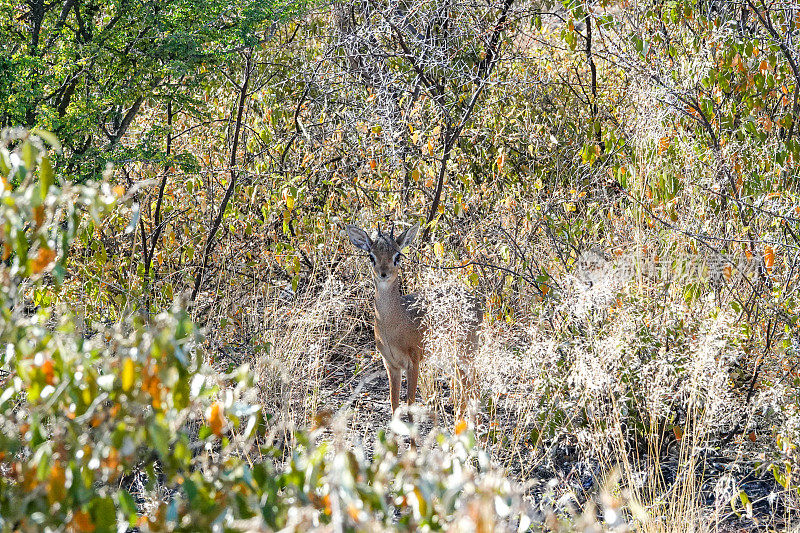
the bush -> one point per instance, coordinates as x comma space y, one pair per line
126, 427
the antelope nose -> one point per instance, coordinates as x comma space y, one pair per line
384, 275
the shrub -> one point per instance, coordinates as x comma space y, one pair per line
126, 427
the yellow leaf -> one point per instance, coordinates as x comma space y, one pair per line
289, 199
438, 249
215, 419
128, 374
119, 191
415, 174
430, 147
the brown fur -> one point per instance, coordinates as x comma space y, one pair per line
399, 327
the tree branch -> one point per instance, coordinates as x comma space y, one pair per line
248, 69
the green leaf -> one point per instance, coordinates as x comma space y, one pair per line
45, 177
29, 155
48, 137
159, 437
127, 503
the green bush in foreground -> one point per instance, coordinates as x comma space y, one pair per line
129, 428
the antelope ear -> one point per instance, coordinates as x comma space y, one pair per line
407, 237
359, 238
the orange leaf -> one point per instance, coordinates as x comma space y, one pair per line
353, 512
501, 160
81, 521
49, 375
38, 215
57, 484
215, 419
769, 257
152, 385
737, 61
663, 144
678, 432
752, 436
112, 461
43, 259
461, 426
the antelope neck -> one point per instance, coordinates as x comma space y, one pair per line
387, 294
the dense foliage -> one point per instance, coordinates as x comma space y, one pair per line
93, 429
617, 180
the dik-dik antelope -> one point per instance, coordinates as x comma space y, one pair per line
399, 321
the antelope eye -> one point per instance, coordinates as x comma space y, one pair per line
397, 259
372, 259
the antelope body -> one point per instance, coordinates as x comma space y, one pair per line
399, 327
